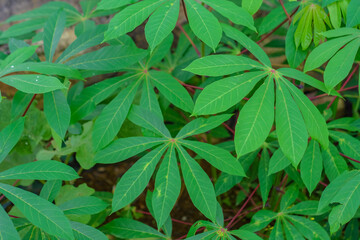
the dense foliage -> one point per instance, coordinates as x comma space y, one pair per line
255, 95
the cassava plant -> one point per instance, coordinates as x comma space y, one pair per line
224, 120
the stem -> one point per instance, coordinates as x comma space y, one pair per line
242, 207
185, 12
28, 106
286, 12
354, 160
187, 36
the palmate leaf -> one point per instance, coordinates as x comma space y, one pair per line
161, 23
167, 187
278, 162
172, 90
216, 156
223, 94
220, 65
260, 220
134, 181
311, 166
32, 83
252, 6
295, 56
7, 229
9, 136
41, 170
353, 14
255, 119
39, 211
129, 229
53, 30
131, 17
198, 185
124, 148
290, 125
50, 190
203, 23
291, 232
111, 4
342, 61
277, 232
112, 117
57, 112
243, 234
149, 100
309, 229
23, 28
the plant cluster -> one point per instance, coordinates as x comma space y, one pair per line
261, 96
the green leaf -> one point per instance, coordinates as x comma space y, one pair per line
290, 126
290, 196
335, 187
255, 119
134, 181
314, 121
108, 124
275, 17
353, 14
302, 77
277, 231
7, 229
245, 235
131, 17
203, 23
311, 166
23, 28
47, 68
172, 90
167, 187
86, 40
85, 232
109, 58
216, 156
247, 43
9, 137
340, 32
233, 12
201, 125
112, 4
161, 23
278, 162
53, 30
148, 120
219, 65
340, 65
83, 205
39, 211
18, 56
295, 56
325, 51
149, 100
198, 185
305, 208
291, 232
95, 94
334, 164
124, 148
252, 6
50, 190
265, 179
349, 145
129, 229
310, 229
41, 170
33, 83
223, 94
348, 197
57, 112
260, 220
